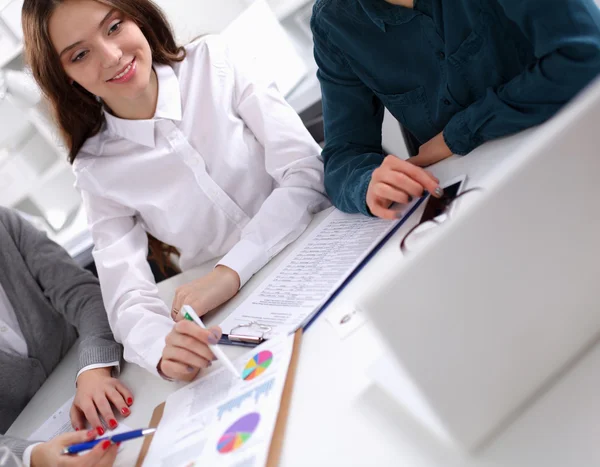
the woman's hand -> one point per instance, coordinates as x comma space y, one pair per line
186, 350
96, 391
50, 454
431, 152
207, 293
398, 181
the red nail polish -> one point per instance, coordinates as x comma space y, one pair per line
77, 429
105, 444
125, 411
129, 401
100, 430
113, 424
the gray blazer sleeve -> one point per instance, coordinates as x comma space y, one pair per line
73, 291
16, 445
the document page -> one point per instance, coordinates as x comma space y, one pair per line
223, 420
58, 423
310, 274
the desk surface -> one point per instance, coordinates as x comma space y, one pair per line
339, 417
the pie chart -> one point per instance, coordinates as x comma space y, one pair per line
237, 434
257, 365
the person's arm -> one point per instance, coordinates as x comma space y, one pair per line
353, 117
16, 445
565, 36
292, 159
73, 291
138, 317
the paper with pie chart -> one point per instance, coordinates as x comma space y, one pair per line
222, 420
257, 365
237, 434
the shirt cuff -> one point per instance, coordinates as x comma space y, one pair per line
362, 205
245, 258
27, 454
99, 365
153, 356
458, 136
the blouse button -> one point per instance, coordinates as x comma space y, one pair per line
446, 102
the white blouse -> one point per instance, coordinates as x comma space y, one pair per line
225, 167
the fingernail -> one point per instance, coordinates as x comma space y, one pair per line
212, 340
438, 191
100, 430
129, 401
190, 369
105, 444
77, 429
113, 424
91, 433
215, 332
125, 411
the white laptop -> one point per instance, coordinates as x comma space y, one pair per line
506, 293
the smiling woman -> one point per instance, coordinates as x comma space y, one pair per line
76, 49
106, 53
185, 145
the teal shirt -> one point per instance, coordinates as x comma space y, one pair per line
474, 69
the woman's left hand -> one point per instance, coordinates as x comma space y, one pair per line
97, 393
207, 293
431, 152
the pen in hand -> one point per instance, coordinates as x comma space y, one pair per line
190, 314
81, 447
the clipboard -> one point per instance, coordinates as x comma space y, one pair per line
280, 424
252, 342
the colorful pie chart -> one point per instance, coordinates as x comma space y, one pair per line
239, 433
257, 365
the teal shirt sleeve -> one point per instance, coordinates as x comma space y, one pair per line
353, 118
565, 39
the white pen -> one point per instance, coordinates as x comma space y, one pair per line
191, 315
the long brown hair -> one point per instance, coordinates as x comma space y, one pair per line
77, 112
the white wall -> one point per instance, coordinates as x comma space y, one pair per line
191, 18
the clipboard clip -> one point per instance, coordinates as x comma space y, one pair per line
239, 336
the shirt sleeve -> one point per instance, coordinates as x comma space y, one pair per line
73, 291
292, 159
17, 446
27, 454
353, 117
115, 365
565, 36
138, 317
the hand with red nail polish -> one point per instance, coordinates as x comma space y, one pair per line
49, 454
98, 395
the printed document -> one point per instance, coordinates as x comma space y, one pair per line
311, 274
223, 420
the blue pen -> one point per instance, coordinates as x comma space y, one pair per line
77, 448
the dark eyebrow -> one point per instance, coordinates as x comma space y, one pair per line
72, 46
